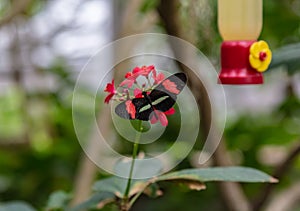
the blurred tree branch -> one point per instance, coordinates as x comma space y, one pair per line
17, 7
87, 170
283, 168
286, 199
279, 173
17, 75
232, 193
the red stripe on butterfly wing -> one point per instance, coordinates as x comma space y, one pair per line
170, 86
130, 108
139, 103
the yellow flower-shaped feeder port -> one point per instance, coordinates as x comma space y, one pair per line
260, 56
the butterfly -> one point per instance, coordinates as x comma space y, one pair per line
161, 98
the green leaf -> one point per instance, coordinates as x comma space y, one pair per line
97, 200
228, 174
117, 186
113, 185
194, 178
288, 56
16, 206
58, 200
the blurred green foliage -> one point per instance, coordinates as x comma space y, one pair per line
45, 156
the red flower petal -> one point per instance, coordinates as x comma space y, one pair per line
171, 111
159, 78
163, 119
136, 70
137, 93
127, 82
108, 98
154, 73
159, 116
153, 119
144, 70
110, 87
129, 74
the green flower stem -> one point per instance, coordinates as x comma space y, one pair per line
134, 154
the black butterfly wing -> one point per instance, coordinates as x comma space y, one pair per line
122, 111
164, 96
142, 109
161, 100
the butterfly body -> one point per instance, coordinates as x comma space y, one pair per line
161, 98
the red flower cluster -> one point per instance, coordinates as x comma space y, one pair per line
141, 71
130, 88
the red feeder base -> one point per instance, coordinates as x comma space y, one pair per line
236, 68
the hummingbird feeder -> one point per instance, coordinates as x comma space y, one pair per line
243, 58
